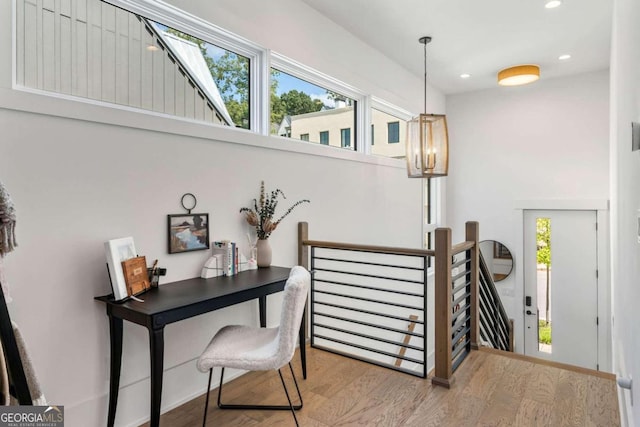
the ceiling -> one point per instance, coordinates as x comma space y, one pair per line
479, 37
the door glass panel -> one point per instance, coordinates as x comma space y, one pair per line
543, 281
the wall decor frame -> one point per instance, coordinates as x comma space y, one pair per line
118, 250
188, 232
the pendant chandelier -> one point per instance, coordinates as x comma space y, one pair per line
427, 138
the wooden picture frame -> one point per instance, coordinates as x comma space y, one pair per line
135, 275
188, 232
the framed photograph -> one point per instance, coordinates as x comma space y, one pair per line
188, 232
118, 250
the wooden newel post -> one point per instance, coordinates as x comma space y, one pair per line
303, 250
472, 234
443, 369
303, 260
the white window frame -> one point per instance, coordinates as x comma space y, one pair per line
210, 33
29, 99
301, 71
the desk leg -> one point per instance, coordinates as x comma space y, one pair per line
156, 349
262, 306
115, 331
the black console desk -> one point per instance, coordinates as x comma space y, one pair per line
176, 301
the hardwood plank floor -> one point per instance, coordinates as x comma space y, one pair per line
489, 390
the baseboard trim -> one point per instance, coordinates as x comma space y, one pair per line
565, 366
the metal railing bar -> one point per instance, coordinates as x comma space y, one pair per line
369, 248
459, 324
372, 325
373, 288
459, 276
335, 294
460, 299
384, 353
459, 347
372, 361
458, 361
459, 288
388, 316
460, 333
463, 260
370, 263
367, 336
373, 276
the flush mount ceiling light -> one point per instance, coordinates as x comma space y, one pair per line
465, 76
427, 138
518, 75
553, 4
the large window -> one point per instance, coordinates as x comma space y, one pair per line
108, 54
299, 107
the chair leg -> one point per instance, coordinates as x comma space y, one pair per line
206, 405
262, 407
288, 398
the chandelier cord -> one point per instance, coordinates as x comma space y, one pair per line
425, 78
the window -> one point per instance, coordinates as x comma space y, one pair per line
299, 107
345, 138
388, 128
393, 132
304, 136
109, 54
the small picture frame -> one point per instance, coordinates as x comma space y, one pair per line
188, 232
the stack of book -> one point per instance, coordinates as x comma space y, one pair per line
229, 254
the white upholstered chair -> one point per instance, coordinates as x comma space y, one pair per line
260, 349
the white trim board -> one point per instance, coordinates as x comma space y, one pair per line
563, 204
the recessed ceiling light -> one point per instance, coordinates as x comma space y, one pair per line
552, 4
152, 48
564, 57
465, 76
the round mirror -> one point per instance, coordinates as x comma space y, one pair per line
498, 259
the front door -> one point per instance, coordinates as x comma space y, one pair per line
561, 286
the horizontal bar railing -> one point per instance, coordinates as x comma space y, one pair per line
369, 302
366, 301
496, 328
456, 301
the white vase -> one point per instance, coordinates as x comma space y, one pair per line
264, 253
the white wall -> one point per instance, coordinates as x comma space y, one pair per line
81, 174
544, 141
625, 175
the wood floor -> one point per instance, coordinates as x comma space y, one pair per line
489, 390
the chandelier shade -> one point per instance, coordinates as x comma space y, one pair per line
427, 146
427, 142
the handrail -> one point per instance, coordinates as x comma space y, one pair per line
368, 248
461, 247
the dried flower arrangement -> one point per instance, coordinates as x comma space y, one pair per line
261, 215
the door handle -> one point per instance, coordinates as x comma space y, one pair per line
530, 313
